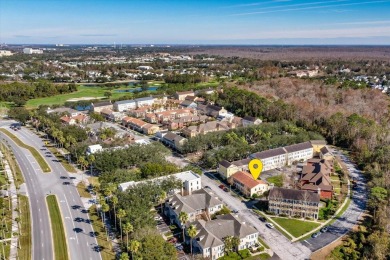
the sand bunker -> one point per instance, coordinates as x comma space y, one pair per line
82, 98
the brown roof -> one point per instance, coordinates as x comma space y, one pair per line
241, 162
225, 163
66, 118
293, 194
246, 179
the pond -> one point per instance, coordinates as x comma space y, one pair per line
153, 88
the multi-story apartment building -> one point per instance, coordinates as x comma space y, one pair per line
298, 152
209, 241
245, 183
199, 204
294, 202
271, 159
227, 169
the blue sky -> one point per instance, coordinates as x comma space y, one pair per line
195, 22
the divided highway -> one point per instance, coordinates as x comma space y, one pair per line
79, 232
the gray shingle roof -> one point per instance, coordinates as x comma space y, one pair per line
212, 233
269, 153
198, 200
298, 147
293, 194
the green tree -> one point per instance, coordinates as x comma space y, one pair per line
183, 217
235, 243
127, 228
378, 197
107, 94
134, 246
121, 214
192, 233
228, 243
114, 202
124, 256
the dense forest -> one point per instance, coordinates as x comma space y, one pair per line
20, 93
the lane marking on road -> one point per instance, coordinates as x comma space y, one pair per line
42, 244
307, 242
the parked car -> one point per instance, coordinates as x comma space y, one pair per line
222, 186
207, 187
316, 234
324, 229
263, 219
225, 189
235, 211
269, 225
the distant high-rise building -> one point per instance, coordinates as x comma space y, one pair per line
5, 53
32, 51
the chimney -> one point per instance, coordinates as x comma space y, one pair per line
319, 190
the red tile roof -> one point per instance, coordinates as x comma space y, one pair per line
247, 179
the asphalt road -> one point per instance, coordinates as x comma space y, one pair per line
79, 232
42, 246
350, 217
283, 248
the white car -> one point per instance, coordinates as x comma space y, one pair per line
269, 225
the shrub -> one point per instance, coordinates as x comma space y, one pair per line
260, 249
283, 215
245, 253
297, 216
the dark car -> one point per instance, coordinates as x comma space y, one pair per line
66, 183
324, 229
225, 189
63, 177
315, 235
263, 219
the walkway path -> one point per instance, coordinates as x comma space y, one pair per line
14, 207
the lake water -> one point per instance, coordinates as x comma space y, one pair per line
135, 89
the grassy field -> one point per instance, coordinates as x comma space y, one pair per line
296, 227
68, 167
41, 161
277, 180
24, 252
107, 253
83, 190
57, 228
83, 91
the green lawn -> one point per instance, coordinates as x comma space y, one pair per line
41, 161
24, 252
57, 229
277, 180
17, 173
107, 253
296, 227
83, 190
68, 167
83, 91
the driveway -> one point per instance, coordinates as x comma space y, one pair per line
282, 247
351, 216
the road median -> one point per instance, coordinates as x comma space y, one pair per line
57, 229
38, 157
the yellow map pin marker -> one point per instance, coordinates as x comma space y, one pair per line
255, 166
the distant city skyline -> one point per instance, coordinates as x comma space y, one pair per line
195, 22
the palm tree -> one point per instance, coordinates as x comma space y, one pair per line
114, 202
124, 256
162, 197
104, 208
183, 217
91, 159
192, 233
127, 227
235, 243
121, 214
83, 163
228, 243
134, 246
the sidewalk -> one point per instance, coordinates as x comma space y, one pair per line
15, 214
